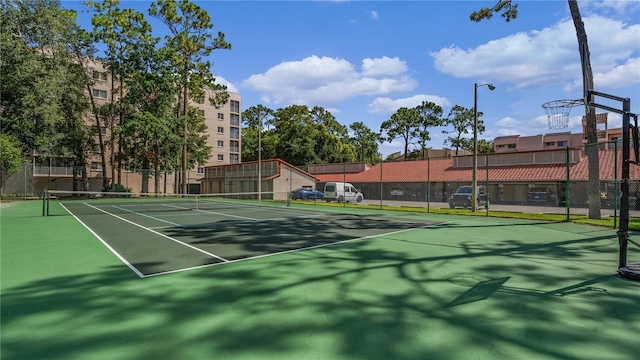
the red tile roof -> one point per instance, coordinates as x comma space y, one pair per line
442, 170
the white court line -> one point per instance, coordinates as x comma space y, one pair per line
157, 233
293, 250
133, 268
147, 216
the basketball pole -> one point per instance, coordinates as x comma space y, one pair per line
625, 269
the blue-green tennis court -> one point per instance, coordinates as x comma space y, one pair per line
156, 236
309, 282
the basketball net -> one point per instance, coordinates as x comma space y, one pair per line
558, 112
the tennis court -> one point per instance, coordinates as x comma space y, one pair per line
157, 236
380, 285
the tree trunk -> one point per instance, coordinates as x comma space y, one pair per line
591, 150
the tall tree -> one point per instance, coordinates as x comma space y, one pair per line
401, 125
430, 116
148, 123
43, 88
461, 119
191, 41
365, 142
295, 130
254, 119
509, 11
120, 30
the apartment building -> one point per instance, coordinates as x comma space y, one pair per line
552, 141
55, 173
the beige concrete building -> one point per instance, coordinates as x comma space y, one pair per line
55, 173
553, 141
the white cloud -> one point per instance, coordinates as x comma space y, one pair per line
617, 6
373, 15
328, 81
383, 66
386, 105
550, 56
230, 87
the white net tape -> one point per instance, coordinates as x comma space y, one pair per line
558, 112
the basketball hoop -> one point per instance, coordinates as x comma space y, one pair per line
558, 112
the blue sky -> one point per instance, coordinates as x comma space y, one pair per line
362, 60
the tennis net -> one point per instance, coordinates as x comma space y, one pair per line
60, 202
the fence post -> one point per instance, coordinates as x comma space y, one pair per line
344, 177
486, 184
615, 184
428, 184
567, 186
381, 161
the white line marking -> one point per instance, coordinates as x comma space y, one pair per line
133, 268
157, 233
291, 251
147, 216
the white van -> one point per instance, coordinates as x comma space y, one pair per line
340, 192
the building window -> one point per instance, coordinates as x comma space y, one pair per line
220, 116
220, 157
500, 146
200, 170
234, 133
100, 94
98, 75
96, 148
563, 143
96, 165
220, 143
220, 130
511, 146
234, 158
235, 119
550, 143
235, 106
234, 146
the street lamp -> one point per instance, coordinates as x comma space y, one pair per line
474, 184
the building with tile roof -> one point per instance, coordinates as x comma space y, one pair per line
508, 176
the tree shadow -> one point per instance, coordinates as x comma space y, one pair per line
403, 297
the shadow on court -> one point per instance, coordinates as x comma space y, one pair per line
526, 292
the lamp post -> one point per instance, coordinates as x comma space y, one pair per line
474, 181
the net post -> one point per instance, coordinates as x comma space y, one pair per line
44, 203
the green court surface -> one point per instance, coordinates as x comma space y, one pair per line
303, 283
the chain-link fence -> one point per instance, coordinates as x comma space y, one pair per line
32, 180
551, 181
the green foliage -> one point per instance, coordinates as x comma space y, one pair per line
430, 116
485, 147
296, 134
401, 125
10, 157
365, 143
189, 43
508, 9
254, 135
42, 90
461, 119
